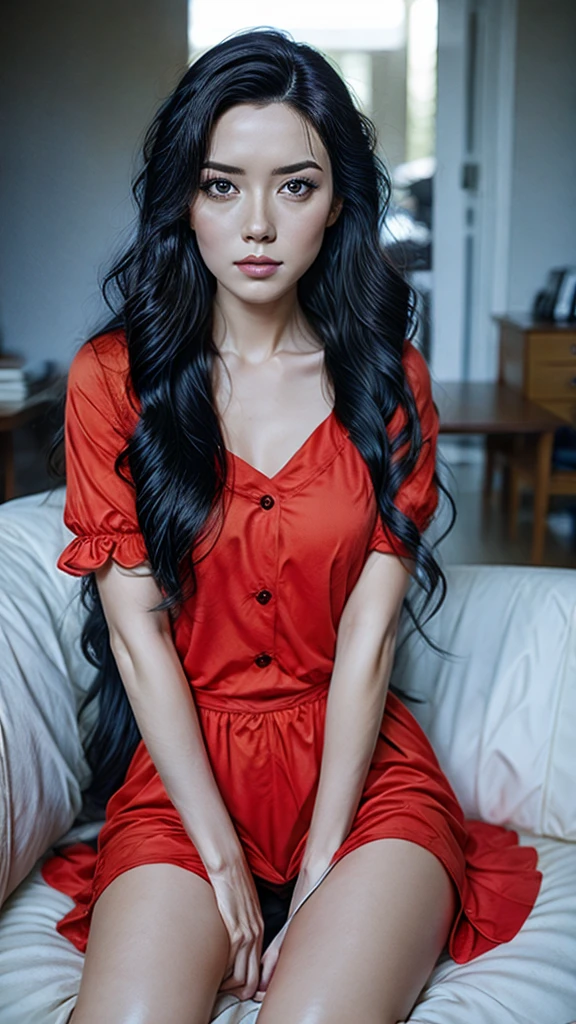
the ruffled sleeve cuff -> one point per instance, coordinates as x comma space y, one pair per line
85, 554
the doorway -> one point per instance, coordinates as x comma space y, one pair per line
472, 187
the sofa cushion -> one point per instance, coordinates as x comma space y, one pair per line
529, 980
43, 676
501, 711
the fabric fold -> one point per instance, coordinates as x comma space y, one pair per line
85, 554
501, 886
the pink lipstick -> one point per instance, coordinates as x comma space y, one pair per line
258, 266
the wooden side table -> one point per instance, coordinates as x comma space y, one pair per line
16, 414
503, 415
539, 359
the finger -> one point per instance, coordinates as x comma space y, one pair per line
265, 978
269, 964
253, 977
238, 977
273, 949
237, 944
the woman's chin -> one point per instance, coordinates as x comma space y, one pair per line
258, 292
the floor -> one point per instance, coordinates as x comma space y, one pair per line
470, 541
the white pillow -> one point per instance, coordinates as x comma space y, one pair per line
501, 714
43, 677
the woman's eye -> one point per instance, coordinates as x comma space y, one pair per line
307, 182
217, 182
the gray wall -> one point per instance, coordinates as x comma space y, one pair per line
79, 82
543, 210
389, 101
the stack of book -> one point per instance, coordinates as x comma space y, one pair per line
20, 378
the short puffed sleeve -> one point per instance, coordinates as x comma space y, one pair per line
100, 507
417, 496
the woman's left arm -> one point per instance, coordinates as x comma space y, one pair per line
365, 647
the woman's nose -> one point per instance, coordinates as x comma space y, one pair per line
258, 223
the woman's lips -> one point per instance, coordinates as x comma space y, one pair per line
258, 269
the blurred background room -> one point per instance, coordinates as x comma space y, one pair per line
474, 104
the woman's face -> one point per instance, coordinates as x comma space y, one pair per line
265, 190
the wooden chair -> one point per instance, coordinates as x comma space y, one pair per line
523, 463
538, 358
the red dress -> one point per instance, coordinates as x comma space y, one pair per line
270, 593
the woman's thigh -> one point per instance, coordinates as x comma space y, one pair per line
157, 950
364, 944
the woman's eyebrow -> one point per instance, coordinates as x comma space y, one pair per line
289, 169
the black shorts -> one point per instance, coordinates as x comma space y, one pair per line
274, 903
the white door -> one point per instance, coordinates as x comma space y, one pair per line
474, 132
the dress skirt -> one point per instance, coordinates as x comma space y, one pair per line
267, 764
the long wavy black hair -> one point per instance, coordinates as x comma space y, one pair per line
160, 293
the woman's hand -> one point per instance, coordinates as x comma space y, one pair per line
305, 883
268, 963
239, 908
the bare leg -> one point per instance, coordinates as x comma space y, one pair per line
157, 950
364, 944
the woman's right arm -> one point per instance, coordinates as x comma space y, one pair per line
101, 512
160, 696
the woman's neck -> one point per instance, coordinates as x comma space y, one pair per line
256, 332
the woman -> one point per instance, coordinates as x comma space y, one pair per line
257, 404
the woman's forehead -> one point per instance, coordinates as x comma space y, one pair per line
273, 133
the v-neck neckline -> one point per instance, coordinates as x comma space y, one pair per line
289, 464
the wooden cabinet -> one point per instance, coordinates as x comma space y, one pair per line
539, 359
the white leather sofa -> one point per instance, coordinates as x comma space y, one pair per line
501, 714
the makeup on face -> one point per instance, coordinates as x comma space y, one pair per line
263, 201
